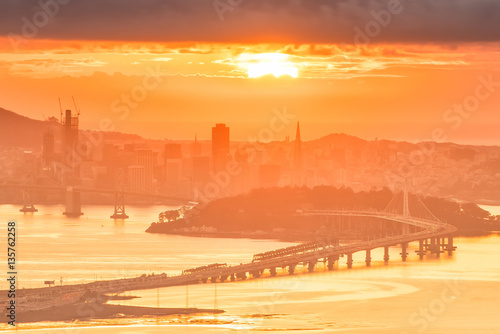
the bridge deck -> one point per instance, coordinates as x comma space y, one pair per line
429, 229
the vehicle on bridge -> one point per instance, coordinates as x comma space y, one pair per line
204, 268
293, 250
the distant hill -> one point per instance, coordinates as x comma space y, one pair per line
17, 130
21, 131
340, 139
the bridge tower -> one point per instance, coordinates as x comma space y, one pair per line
28, 205
406, 206
119, 197
119, 207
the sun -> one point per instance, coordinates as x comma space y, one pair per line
261, 64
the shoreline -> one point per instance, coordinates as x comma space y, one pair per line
296, 238
82, 311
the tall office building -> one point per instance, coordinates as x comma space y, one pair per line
69, 154
137, 178
146, 159
48, 147
173, 166
298, 163
196, 147
220, 147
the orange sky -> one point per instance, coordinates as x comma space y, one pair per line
172, 68
385, 91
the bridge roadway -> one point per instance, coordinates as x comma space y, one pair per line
97, 191
430, 230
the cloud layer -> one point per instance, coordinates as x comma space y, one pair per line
288, 21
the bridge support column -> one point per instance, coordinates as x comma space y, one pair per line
421, 252
28, 205
213, 279
368, 258
204, 280
450, 248
223, 278
256, 274
432, 245
242, 276
331, 261
386, 254
73, 203
291, 269
119, 207
349, 261
273, 271
233, 278
404, 253
310, 266
438, 247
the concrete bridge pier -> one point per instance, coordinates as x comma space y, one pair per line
242, 276
28, 205
73, 203
291, 269
349, 261
438, 247
432, 245
449, 247
386, 254
421, 252
404, 253
256, 274
310, 266
368, 258
233, 278
213, 279
223, 278
273, 271
330, 262
204, 280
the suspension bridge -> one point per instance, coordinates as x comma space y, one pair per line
72, 197
404, 224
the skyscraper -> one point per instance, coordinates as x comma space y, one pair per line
173, 166
48, 148
220, 147
297, 159
145, 158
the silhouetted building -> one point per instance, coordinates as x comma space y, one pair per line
71, 158
137, 178
196, 147
145, 158
173, 166
48, 148
220, 147
298, 162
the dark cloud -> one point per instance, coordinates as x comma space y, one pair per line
295, 21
